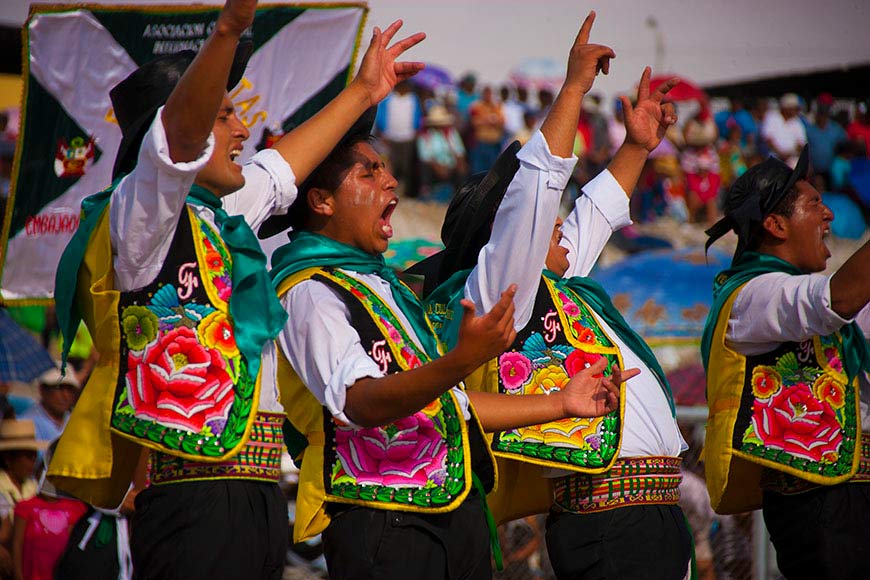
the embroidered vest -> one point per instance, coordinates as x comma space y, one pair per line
183, 387
420, 463
562, 338
791, 410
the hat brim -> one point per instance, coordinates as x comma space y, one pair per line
136, 129
798, 173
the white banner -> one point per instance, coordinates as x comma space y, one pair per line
303, 56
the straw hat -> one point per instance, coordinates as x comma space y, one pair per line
439, 116
53, 378
19, 434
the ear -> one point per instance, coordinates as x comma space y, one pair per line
776, 226
321, 201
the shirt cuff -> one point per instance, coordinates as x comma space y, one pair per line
537, 154
830, 313
282, 176
607, 195
157, 146
343, 378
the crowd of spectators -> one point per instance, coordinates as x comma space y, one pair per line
435, 138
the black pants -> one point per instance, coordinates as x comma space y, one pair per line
647, 541
369, 544
821, 534
210, 530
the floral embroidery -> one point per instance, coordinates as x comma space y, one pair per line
765, 382
216, 331
514, 369
579, 360
184, 372
140, 326
802, 413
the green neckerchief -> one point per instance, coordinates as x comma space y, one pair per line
452, 291
66, 278
856, 355
310, 250
257, 314
255, 310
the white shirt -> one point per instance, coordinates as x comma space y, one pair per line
777, 307
400, 117
325, 349
146, 205
786, 136
516, 253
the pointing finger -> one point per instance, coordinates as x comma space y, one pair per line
585, 29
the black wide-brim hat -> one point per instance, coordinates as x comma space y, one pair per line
136, 99
468, 222
360, 130
753, 196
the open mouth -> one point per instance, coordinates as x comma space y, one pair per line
386, 227
234, 154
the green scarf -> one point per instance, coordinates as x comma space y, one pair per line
254, 308
453, 290
856, 355
310, 250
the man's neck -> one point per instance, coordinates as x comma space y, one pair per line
52, 415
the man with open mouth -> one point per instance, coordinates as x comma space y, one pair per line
786, 354
170, 279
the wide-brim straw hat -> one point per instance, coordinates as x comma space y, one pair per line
19, 435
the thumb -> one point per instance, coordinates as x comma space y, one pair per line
627, 109
468, 309
597, 367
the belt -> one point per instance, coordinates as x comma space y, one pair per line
258, 460
787, 484
631, 481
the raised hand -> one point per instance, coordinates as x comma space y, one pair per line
237, 16
482, 338
379, 72
586, 60
590, 394
648, 120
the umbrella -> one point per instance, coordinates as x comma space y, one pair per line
540, 73
21, 357
665, 295
432, 77
685, 90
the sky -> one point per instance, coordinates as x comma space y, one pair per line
705, 41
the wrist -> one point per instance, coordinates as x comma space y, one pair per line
633, 148
359, 94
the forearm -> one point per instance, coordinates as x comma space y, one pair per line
850, 285
309, 144
560, 126
372, 402
193, 106
498, 412
627, 165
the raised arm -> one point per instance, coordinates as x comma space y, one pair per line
603, 208
523, 226
850, 285
193, 106
307, 145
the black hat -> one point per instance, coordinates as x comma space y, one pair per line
753, 196
359, 131
468, 222
137, 98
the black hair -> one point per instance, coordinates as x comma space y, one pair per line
328, 176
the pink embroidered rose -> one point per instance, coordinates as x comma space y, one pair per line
514, 369
178, 382
407, 453
568, 306
833, 357
411, 359
795, 421
579, 360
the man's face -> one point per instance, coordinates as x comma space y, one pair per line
57, 400
363, 203
557, 256
807, 228
222, 175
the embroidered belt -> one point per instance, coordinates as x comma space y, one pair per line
787, 484
258, 460
631, 481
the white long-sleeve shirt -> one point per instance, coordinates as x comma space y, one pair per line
146, 205
776, 307
516, 253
